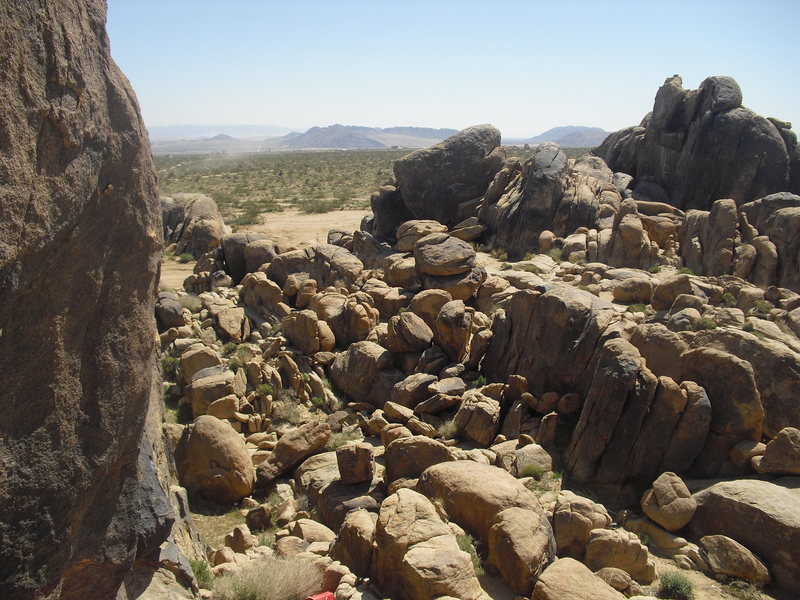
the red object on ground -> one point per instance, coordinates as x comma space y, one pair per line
322, 596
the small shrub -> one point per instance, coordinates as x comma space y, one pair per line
704, 323
528, 256
743, 590
557, 475
202, 573
763, 307
317, 402
655, 269
505, 266
532, 470
644, 539
340, 438
185, 258
190, 302
169, 367
748, 326
676, 586
285, 408
529, 269
728, 300
185, 415
480, 381
448, 429
228, 349
264, 389
468, 544
288, 579
266, 538
633, 308
556, 254
686, 271
499, 254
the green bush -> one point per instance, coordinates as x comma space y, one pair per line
202, 572
185, 414
763, 307
185, 258
556, 254
532, 470
704, 323
270, 579
655, 269
264, 389
637, 308
340, 438
468, 544
169, 367
676, 586
686, 271
728, 300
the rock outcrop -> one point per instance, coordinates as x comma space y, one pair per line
434, 181
79, 248
763, 516
546, 193
697, 146
192, 222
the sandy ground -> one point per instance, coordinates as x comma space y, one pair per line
294, 228
173, 273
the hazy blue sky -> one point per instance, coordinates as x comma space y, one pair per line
523, 66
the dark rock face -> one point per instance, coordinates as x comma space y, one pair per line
79, 244
434, 181
698, 146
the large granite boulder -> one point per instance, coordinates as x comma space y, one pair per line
79, 257
778, 217
193, 223
763, 516
698, 146
366, 373
324, 263
434, 181
567, 579
497, 509
233, 247
707, 238
417, 556
212, 460
547, 193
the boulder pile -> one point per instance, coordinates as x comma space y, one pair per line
412, 402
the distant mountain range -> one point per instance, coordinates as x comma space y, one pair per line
208, 139
350, 136
571, 136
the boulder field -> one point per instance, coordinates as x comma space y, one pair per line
555, 420
393, 411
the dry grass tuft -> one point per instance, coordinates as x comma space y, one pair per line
270, 579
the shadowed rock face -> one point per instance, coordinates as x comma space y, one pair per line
697, 146
79, 245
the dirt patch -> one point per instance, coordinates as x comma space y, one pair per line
294, 228
173, 273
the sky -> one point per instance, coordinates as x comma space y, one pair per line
524, 66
